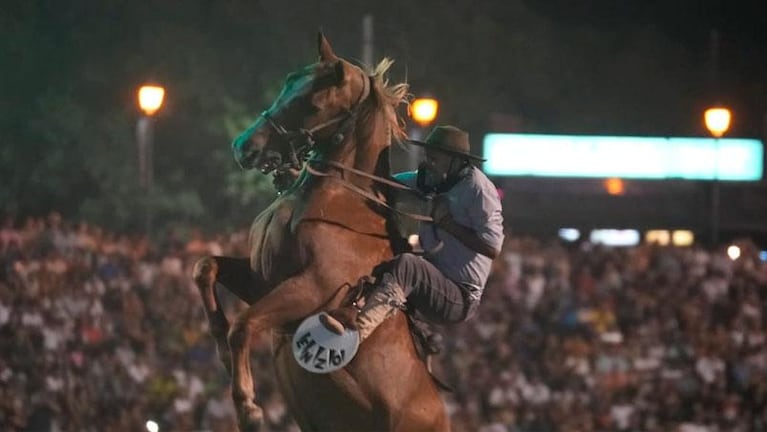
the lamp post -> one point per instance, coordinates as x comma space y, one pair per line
717, 120
150, 98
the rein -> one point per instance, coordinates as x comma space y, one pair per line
367, 194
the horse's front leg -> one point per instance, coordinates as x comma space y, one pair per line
235, 275
290, 301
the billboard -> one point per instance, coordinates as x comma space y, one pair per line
729, 159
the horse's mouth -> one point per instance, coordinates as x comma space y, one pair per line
283, 178
265, 162
269, 161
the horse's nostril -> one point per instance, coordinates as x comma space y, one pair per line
257, 141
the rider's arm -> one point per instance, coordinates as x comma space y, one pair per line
468, 237
483, 233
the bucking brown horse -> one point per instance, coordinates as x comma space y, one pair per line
312, 245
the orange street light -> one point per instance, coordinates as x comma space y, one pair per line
717, 121
150, 98
615, 186
424, 110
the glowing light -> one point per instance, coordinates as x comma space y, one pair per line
424, 110
624, 157
683, 237
614, 186
717, 121
733, 252
615, 237
659, 237
150, 98
569, 234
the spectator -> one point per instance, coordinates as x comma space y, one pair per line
105, 331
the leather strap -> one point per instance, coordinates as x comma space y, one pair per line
367, 194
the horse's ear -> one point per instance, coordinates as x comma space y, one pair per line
324, 48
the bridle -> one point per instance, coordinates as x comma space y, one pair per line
301, 141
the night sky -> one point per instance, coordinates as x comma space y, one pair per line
69, 72
683, 20
738, 26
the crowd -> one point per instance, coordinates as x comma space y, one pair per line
104, 332
592, 338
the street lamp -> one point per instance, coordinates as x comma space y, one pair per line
150, 98
424, 110
717, 120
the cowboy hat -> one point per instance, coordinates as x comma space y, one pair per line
448, 139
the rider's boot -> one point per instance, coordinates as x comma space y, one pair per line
382, 303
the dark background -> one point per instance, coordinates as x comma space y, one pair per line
69, 73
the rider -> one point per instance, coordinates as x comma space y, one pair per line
443, 286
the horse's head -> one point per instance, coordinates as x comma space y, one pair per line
316, 105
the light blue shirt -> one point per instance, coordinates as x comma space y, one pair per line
475, 204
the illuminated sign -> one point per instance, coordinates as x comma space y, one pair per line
615, 237
623, 157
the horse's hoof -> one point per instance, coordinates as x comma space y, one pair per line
250, 418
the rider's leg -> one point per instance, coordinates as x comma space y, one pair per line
410, 277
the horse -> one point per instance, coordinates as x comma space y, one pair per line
312, 244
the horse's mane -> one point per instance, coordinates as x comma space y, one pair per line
389, 97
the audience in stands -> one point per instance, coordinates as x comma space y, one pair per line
103, 332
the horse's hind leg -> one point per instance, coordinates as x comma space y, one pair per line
232, 273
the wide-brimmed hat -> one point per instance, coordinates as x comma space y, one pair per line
448, 139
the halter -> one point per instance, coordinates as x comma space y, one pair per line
306, 138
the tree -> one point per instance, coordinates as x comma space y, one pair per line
71, 69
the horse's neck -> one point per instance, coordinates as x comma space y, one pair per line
365, 149
338, 202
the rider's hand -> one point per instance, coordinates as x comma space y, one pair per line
440, 210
